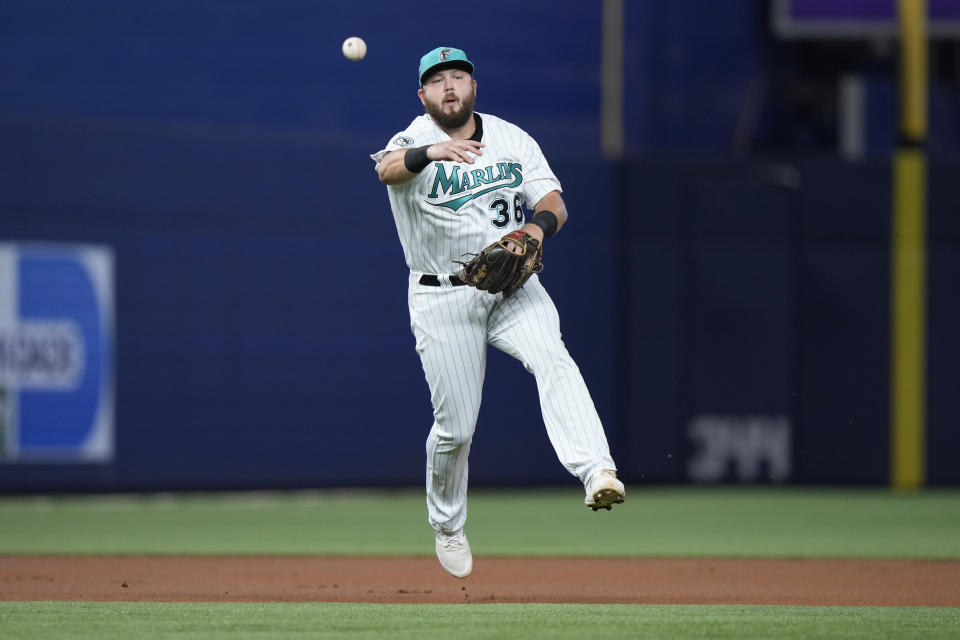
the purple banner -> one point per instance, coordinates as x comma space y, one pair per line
858, 18
857, 10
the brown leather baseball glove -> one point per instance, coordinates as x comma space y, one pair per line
505, 265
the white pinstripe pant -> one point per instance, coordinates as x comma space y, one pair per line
453, 326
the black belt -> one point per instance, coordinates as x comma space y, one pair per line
433, 281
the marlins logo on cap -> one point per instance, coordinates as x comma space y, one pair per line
444, 58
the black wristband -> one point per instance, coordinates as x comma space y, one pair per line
546, 220
415, 160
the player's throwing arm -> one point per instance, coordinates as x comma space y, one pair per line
395, 167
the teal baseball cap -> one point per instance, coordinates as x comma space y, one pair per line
444, 58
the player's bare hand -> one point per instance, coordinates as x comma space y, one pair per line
455, 150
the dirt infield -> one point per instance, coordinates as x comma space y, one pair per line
421, 580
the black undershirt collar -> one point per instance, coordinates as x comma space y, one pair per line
478, 134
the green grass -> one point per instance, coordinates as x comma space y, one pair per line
757, 522
731, 522
126, 621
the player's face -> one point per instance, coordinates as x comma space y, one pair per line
448, 97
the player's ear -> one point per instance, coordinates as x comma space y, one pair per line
420, 94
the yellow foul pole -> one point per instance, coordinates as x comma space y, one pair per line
908, 258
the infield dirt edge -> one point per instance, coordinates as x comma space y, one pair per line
417, 579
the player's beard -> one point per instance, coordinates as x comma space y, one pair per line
455, 119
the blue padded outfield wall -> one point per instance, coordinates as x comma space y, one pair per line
729, 311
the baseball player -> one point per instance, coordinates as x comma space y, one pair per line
457, 181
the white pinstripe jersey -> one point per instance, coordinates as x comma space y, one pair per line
453, 208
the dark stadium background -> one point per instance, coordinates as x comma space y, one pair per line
733, 263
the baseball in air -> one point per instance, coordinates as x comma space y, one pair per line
354, 48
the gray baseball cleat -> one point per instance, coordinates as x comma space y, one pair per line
453, 551
604, 490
